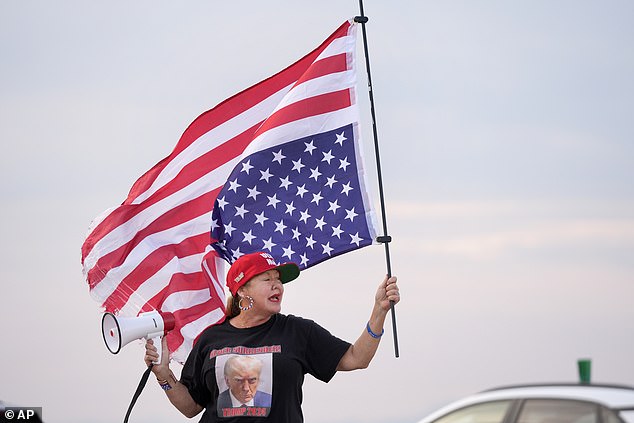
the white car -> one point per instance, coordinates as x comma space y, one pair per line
549, 403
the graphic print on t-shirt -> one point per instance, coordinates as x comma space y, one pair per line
245, 382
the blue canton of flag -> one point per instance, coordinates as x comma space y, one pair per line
301, 201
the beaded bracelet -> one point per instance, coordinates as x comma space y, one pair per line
372, 334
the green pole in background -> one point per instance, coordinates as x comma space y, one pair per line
585, 367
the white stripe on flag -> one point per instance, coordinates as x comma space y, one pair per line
191, 330
185, 299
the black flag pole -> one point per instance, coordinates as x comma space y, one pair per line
385, 239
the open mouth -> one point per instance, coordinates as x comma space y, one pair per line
275, 298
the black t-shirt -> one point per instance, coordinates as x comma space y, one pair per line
288, 348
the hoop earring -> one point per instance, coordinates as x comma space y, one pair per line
249, 299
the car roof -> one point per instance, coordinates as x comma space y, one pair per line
619, 397
613, 396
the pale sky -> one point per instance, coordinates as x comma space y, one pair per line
507, 146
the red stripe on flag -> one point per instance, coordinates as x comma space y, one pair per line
326, 66
189, 315
180, 282
308, 107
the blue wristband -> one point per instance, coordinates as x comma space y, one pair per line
372, 334
165, 385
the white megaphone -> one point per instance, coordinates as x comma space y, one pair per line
119, 331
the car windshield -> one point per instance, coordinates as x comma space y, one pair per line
488, 412
627, 415
558, 411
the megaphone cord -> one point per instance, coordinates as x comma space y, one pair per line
139, 389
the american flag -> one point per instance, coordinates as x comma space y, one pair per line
153, 251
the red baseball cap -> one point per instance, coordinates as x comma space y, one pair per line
250, 265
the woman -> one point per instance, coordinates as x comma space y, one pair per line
285, 347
